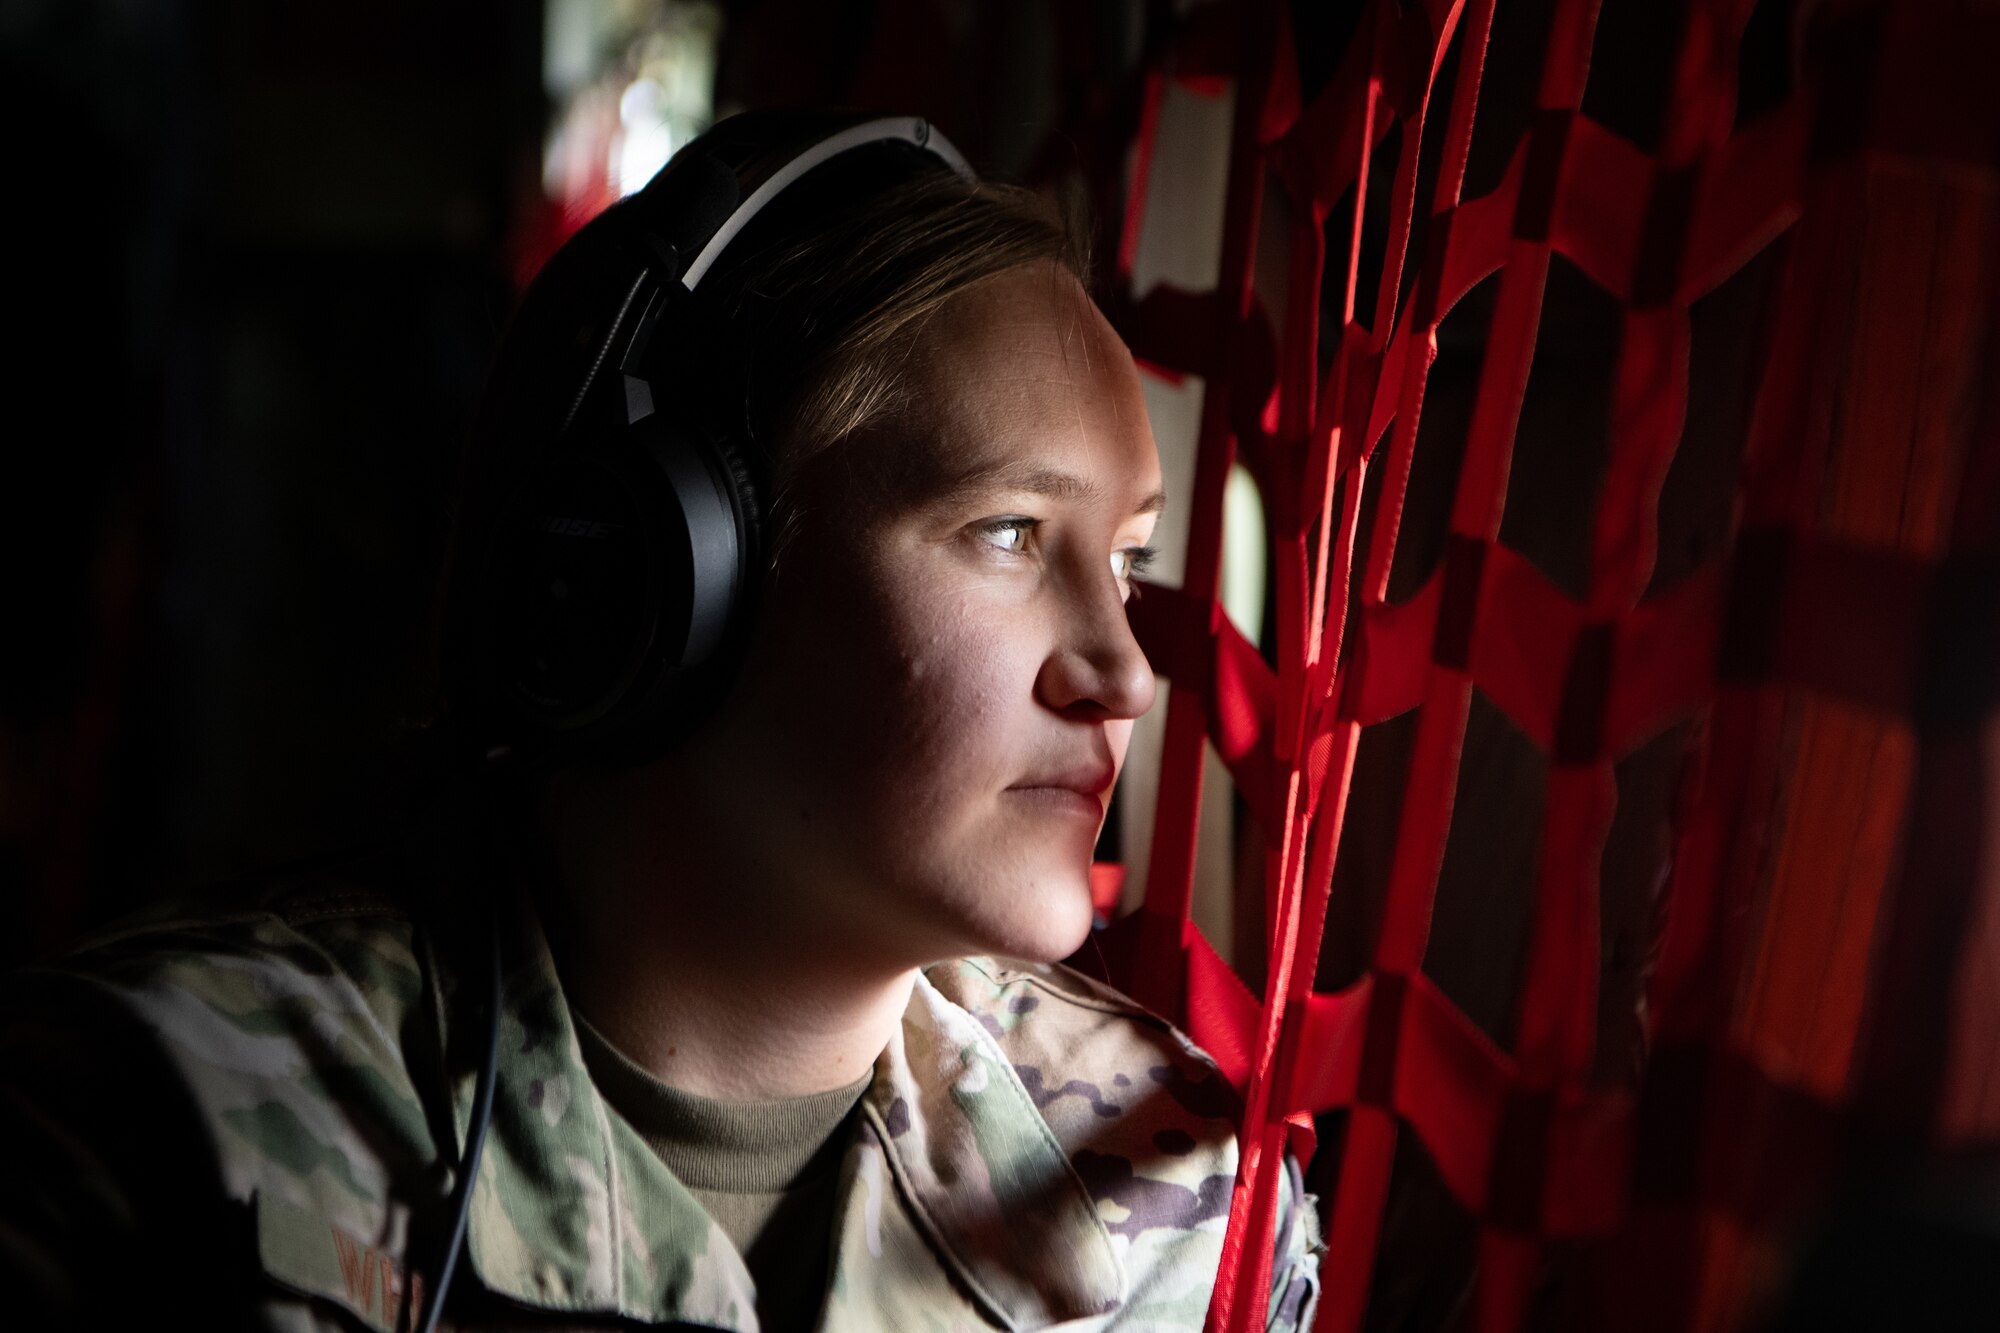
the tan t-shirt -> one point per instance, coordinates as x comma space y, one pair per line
767, 1172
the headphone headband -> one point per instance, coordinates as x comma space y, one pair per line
913, 130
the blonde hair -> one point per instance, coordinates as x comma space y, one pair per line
821, 323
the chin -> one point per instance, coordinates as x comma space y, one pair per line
1050, 921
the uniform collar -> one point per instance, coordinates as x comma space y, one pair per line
573, 1212
983, 1175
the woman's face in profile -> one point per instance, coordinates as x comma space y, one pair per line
942, 682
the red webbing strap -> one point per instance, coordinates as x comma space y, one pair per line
1170, 874
1152, 93
1327, 749
1848, 623
1968, 1105
1521, 1138
1266, 106
1947, 683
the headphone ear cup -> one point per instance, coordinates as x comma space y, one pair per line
748, 494
710, 516
623, 582
618, 591
585, 592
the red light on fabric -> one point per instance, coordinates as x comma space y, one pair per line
1803, 602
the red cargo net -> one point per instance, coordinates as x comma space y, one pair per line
1806, 606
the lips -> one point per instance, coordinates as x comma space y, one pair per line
1078, 790
1092, 780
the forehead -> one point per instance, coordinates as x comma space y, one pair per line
1018, 375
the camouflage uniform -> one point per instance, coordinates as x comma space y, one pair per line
1033, 1150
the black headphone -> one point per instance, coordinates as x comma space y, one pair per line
617, 583
620, 573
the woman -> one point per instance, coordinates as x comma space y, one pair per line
790, 620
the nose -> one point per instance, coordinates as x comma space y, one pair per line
1096, 670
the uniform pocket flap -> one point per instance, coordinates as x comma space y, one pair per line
312, 1255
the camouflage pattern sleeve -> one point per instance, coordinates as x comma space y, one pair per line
1295, 1265
1149, 1125
108, 1194
242, 1119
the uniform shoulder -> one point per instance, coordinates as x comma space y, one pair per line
286, 1023
305, 932
277, 975
283, 1028
1149, 1123
1087, 1054
1005, 994
1145, 1118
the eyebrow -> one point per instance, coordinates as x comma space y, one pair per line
1052, 482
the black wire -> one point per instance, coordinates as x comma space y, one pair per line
475, 1139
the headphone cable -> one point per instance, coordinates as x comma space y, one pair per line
475, 1142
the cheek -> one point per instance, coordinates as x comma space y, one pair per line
950, 684
911, 689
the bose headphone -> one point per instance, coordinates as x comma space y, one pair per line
618, 580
